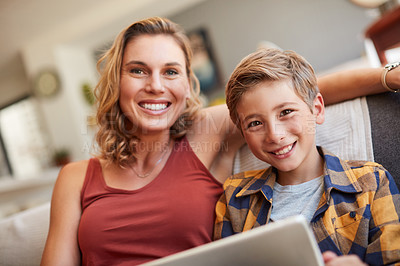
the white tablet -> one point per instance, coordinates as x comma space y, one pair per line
285, 242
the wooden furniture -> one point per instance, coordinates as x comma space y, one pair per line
385, 34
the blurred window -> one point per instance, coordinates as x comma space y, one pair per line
24, 150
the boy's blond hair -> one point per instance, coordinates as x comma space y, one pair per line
270, 65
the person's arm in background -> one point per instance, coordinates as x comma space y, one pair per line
349, 84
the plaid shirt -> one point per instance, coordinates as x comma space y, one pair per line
358, 212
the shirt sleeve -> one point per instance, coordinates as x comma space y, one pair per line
223, 225
384, 233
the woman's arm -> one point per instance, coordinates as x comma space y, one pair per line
62, 241
215, 140
349, 84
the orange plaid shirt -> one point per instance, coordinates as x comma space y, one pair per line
358, 213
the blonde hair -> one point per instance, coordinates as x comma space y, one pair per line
115, 142
270, 65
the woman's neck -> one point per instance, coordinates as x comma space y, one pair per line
150, 145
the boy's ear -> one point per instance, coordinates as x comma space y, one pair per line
319, 109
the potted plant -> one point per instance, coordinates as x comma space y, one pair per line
61, 157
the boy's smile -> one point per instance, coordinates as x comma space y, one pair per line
285, 151
279, 128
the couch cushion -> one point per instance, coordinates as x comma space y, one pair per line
23, 235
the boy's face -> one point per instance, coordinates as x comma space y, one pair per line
279, 127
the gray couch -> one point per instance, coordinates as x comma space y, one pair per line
384, 111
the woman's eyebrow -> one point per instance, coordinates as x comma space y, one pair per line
135, 62
173, 64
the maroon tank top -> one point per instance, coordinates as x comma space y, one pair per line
173, 213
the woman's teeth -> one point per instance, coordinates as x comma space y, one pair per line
285, 150
154, 107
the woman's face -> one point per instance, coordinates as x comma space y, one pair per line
154, 84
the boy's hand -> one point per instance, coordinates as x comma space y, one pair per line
331, 259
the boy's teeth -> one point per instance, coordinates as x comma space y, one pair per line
155, 107
285, 150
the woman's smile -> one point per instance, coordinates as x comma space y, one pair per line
159, 106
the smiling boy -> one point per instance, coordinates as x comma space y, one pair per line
353, 206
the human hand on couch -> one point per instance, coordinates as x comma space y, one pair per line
331, 259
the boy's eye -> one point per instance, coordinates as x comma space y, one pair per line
286, 112
253, 124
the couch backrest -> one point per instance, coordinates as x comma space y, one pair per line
384, 111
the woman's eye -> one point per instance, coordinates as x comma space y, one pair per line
253, 124
171, 72
137, 71
286, 112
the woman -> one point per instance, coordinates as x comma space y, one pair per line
152, 189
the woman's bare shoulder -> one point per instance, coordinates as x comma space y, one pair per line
77, 166
73, 174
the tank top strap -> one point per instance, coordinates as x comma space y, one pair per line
183, 154
94, 182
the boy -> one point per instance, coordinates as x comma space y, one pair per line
353, 206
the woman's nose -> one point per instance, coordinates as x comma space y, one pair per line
155, 84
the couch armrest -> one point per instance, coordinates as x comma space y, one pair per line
23, 236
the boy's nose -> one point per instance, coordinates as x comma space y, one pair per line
274, 133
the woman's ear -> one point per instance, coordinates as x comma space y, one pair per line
319, 109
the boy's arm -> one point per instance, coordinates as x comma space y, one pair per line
349, 84
384, 244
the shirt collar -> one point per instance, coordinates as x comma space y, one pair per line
338, 174
263, 181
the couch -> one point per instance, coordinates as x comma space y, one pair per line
365, 128
23, 235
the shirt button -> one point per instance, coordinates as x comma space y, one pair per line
352, 214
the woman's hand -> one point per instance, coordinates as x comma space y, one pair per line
393, 78
331, 259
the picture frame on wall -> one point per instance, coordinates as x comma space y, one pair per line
204, 63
